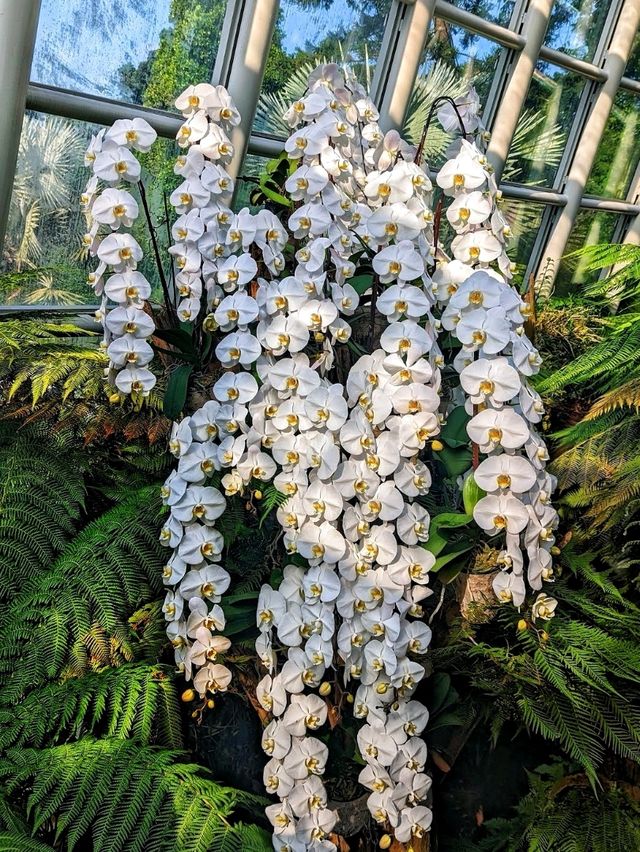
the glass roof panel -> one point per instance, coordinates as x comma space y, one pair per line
619, 150
590, 227
543, 128
575, 26
139, 51
44, 234
489, 10
309, 32
454, 59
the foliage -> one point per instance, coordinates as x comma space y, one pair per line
560, 814
575, 684
89, 712
48, 148
598, 463
117, 795
42, 485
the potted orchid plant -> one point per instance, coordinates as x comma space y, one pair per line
368, 375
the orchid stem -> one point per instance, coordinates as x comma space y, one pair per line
156, 250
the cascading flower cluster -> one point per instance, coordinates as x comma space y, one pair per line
487, 316
201, 229
344, 443
349, 458
111, 209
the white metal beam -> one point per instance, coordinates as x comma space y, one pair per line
400, 56
18, 27
587, 147
533, 28
246, 39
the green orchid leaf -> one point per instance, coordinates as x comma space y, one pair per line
454, 431
176, 393
177, 337
456, 461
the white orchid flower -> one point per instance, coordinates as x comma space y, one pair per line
235, 387
502, 472
120, 251
494, 381
129, 288
461, 174
494, 428
199, 544
397, 302
509, 587
321, 542
198, 462
283, 334
308, 756
195, 98
204, 504
399, 262
487, 330
414, 822
469, 209
135, 380
306, 182
238, 348
276, 740
116, 208
272, 695
130, 351
115, 164
499, 513
476, 247
305, 712
133, 133
189, 195
212, 678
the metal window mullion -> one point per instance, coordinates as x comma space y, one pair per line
97, 110
18, 28
593, 128
504, 125
397, 67
495, 32
248, 30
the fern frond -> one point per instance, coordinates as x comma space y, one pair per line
128, 798
136, 701
75, 615
42, 493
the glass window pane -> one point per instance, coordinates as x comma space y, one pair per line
141, 51
489, 10
632, 68
454, 59
549, 110
575, 26
45, 228
252, 167
591, 227
619, 149
309, 32
524, 218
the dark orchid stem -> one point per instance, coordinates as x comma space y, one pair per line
436, 227
156, 251
437, 102
372, 316
169, 237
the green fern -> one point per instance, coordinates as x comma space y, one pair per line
136, 701
73, 618
561, 814
42, 493
118, 796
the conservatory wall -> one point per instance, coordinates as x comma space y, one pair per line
558, 81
